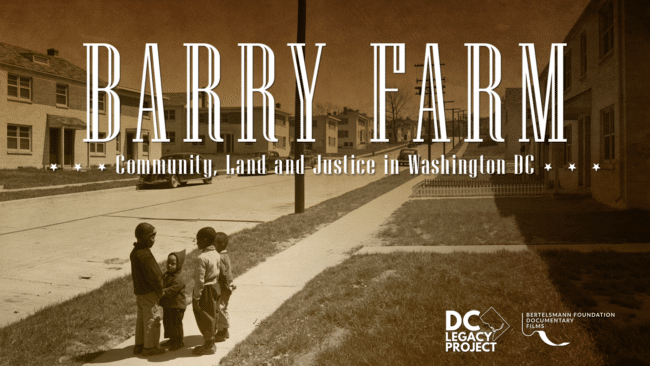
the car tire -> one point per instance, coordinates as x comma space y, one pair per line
173, 181
266, 167
207, 181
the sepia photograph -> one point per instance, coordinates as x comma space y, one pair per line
324, 182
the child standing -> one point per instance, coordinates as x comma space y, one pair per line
147, 287
225, 285
173, 301
205, 296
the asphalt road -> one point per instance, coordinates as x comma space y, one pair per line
56, 247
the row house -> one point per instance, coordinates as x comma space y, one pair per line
176, 127
355, 129
606, 108
43, 119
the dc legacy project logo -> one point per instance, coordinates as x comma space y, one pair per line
473, 338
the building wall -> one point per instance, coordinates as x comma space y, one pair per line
230, 125
33, 114
325, 133
636, 113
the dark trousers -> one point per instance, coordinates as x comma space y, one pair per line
173, 323
206, 313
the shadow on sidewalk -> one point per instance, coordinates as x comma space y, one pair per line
119, 354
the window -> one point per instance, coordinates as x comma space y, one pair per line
567, 70
101, 105
568, 157
145, 144
146, 114
583, 54
608, 134
172, 137
19, 138
170, 114
343, 134
117, 142
98, 148
202, 143
61, 95
344, 121
19, 87
606, 28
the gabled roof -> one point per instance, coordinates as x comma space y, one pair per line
23, 58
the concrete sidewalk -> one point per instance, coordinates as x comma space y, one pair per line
264, 288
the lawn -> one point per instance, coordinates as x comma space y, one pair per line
513, 220
77, 330
33, 177
390, 310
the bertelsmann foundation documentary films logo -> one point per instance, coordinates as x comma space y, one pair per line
473, 338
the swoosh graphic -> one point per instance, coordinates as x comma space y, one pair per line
542, 335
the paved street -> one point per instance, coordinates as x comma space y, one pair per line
56, 247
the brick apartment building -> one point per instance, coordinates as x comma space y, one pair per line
43, 119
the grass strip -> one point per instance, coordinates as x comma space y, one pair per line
390, 310
79, 329
33, 177
513, 220
19, 195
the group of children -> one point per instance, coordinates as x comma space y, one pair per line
164, 296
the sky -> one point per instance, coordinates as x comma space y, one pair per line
347, 27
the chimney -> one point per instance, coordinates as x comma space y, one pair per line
52, 52
329, 113
278, 105
345, 109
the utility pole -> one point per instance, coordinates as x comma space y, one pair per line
299, 147
453, 125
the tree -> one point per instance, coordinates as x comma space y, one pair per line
395, 103
324, 108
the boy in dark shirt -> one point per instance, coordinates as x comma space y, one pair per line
147, 286
173, 301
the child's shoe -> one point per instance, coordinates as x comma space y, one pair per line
221, 335
153, 351
167, 343
137, 349
177, 345
209, 348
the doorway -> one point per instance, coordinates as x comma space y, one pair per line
68, 147
130, 146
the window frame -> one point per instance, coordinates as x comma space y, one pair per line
18, 149
608, 134
66, 95
606, 37
19, 87
93, 147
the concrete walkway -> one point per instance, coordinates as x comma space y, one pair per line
264, 288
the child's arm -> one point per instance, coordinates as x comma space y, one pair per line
173, 289
152, 274
199, 279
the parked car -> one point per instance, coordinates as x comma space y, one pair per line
177, 177
269, 159
403, 157
310, 161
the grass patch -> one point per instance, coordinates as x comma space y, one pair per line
33, 177
608, 282
390, 310
77, 330
513, 220
19, 195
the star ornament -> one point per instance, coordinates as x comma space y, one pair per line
572, 167
77, 167
53, 167
596, 167
102, 167
548, 167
